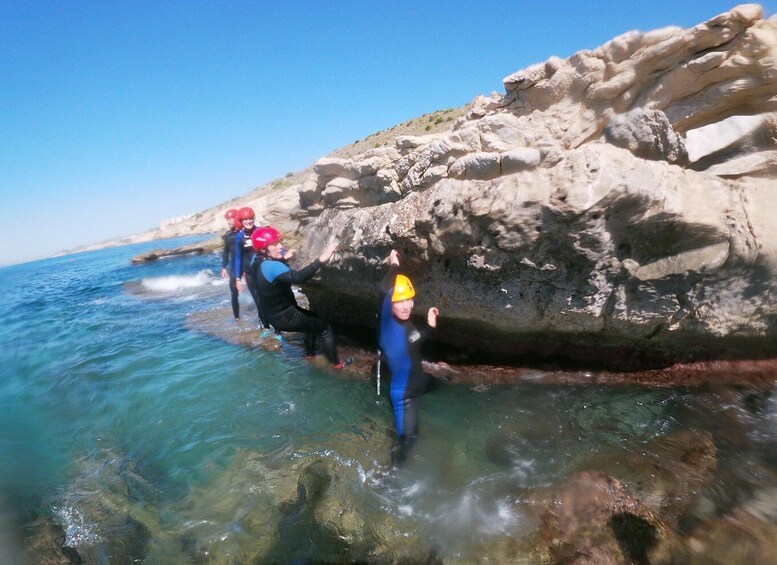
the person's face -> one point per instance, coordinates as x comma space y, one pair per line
275, 250
248, 223
230, 222
402, 309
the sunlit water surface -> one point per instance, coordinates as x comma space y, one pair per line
96, 358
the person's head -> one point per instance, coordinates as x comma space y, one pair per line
267, 241
402, 298
231, 217
246, 216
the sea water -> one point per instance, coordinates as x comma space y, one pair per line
99, 368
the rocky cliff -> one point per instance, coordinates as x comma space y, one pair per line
614, 206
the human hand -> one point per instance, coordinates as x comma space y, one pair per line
431, 316
327, 253
289, 254
223, 273
393, 258
239, 285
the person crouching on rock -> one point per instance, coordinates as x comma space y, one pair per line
274, 278
228, 258
400, 344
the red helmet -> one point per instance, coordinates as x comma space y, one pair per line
246, 213
236, 225
265, 236
231, 213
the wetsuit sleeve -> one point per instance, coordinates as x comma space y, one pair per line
425, 332
238, 255
225, 252
388, 281
301, 276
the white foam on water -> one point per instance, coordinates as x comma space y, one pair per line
173, 283
287, 408
77, 530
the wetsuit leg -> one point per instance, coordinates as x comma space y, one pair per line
406, 425
406, 416
255, 295
310, 344
235, 301
298, 319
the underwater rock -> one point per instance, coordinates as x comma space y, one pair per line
298, 503
233, 517
593, 518
45, 545
739, 537
669, 473
106, 512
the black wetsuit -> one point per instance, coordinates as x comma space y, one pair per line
273, 282
243, 259
228, 263
400, 344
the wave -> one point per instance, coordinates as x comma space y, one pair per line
171, 284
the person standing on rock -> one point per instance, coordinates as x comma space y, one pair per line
244, 254
228, 258
274, 278
400, 344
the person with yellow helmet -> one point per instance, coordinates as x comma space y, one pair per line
400, 345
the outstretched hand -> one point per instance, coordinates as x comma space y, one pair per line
327, 253
393, 258
431, 316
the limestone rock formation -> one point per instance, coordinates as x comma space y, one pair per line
567, 216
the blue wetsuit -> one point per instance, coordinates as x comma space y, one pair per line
400, 343
273, 283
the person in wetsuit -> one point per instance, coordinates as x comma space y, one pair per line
244, 254
228, 258
274, 278
400, 344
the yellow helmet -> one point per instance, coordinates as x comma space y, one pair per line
403, 289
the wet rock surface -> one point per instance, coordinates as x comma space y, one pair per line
760, 374
208, 246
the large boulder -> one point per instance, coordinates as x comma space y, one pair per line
535, 236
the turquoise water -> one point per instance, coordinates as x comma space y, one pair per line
96, 358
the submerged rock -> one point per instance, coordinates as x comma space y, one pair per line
593, 518
668, 475
738, 537
303, 503
106, 513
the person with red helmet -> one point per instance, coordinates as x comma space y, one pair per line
228, 258
244, 254
274, 278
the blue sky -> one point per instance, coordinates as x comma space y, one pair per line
117, 115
